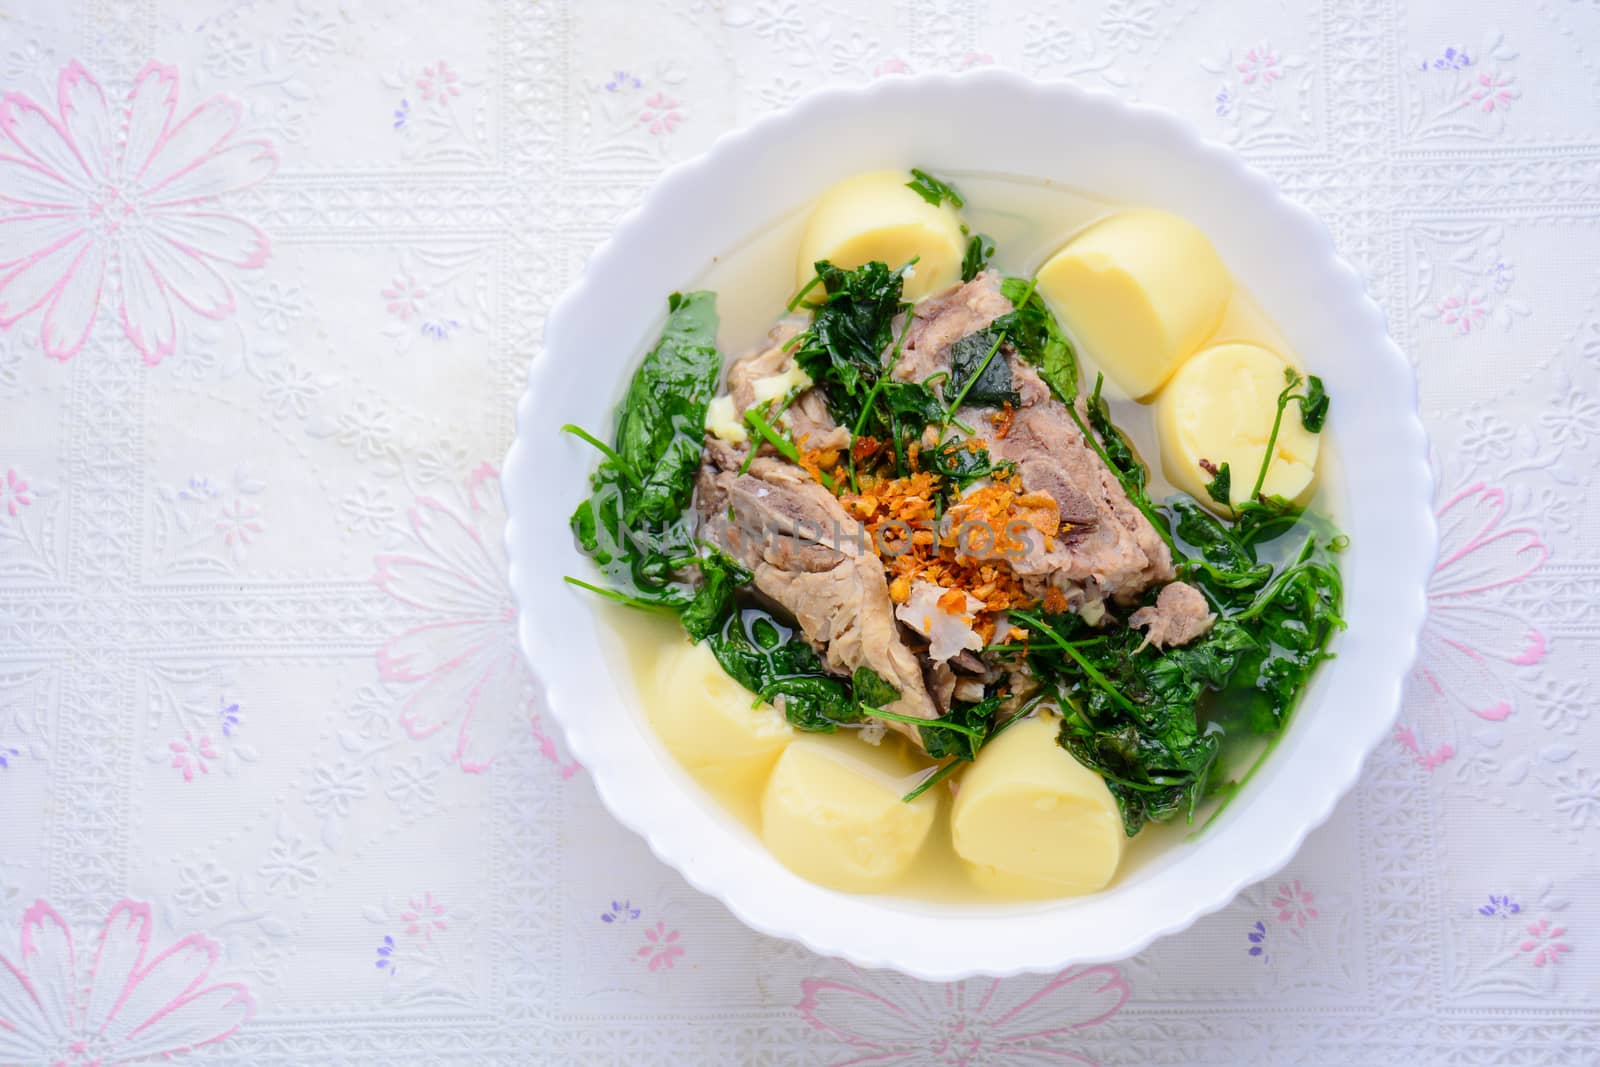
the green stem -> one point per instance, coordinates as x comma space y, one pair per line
794, 301
621, 598
950, 412
932, 780
785, 447
1135, 496
872, 395
789, 398
609, 452
1066, 646
1276, 587
945, 769
942, 724
1272, 438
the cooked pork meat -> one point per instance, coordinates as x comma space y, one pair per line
941, 321
1179, 615
941, 684
808, 415
1108, 548
810, 559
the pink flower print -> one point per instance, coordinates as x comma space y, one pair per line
236, 522
891, 65
1294, 904
660, 947
1491, 90
969, 60
1428, 761
963, 1024
109, 1002
1259, 67
1542, 942
1471, 641
466, 658
14, 493
190, 755
439, 82
1465, 309
118, 206
660, 114
405, 297
423, 918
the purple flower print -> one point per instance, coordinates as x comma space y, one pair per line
1501, 906
1450, 59
660, 948
1501, 275
441, 329
229, 713
1542, 943
620, 913
1224, 101
6, 756
1258, 940
385, 960
620, 80
402, 114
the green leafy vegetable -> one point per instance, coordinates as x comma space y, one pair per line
720, 578
843, 349
957, 464
1220, 487
1314, 408
998, 727
977, 718
979, 372
1313, 413
634, 524
871, 689
933, 190
1140, 716
980, 246
661, 422
1132, 715
1224, 565
1119, 453
777, 664
1039, 339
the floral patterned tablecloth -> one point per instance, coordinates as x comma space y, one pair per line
273, 786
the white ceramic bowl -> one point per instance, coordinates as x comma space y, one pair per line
996, 122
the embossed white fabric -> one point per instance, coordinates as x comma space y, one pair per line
272, 784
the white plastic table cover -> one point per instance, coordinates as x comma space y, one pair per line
273, 787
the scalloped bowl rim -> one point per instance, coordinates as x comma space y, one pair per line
1281, 253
